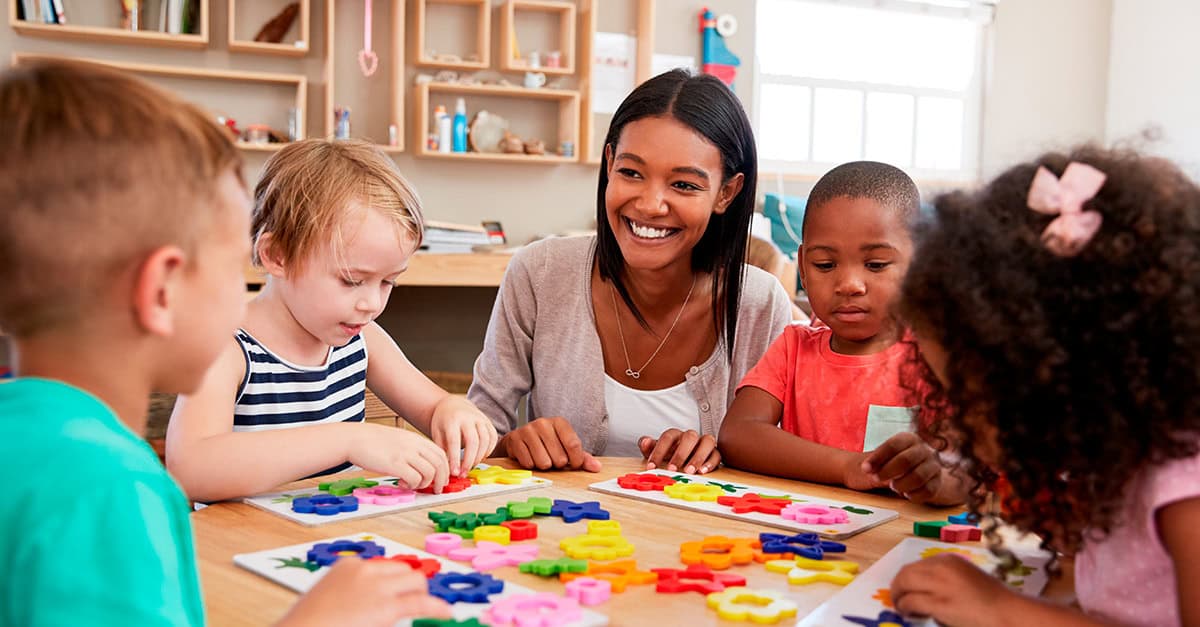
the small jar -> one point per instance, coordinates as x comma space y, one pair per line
258, 134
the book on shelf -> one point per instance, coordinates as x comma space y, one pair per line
460, 234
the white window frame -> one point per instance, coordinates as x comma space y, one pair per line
972, 96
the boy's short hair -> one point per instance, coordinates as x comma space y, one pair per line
885, 184
307, 187
99, 168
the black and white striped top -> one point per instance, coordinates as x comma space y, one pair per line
277, 394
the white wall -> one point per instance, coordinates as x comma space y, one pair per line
1153, 84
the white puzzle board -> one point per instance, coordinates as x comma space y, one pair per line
267, 564
858, 522
281, 502
857, 598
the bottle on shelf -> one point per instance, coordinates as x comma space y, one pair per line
442, 124
460, 126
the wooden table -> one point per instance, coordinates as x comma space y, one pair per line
234, 596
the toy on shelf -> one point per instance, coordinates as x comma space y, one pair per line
717, 59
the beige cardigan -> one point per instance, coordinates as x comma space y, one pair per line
542, 344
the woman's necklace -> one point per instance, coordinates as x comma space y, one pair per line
629, 371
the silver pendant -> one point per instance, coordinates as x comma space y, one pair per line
630, 373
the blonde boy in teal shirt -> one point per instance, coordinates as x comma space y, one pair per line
124, 229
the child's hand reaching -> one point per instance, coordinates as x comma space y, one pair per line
951, 590
410, 457
685, 451
458, 424
912, 469
395, 592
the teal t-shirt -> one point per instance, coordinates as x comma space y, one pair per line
95, 530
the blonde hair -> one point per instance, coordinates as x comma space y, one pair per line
99, 168
307, 188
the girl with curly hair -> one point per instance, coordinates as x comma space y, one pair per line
1059, 309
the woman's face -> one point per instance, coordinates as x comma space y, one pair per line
665, 182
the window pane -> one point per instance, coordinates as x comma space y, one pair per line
939, 133
784, 116
830, 41
890, 128
837, 125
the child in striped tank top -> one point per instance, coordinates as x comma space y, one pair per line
334, 225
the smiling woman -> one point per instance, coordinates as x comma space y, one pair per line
630, 343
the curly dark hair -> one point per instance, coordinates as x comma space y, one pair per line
1083, 371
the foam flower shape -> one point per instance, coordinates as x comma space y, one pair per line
384, 495
426, 566
693, 492
804, 571
342, 487
970, 556
812, 514
759, 606
552, 568
570, 511
696, 578
810, 545
324, 504
464, 587
644, 482
489, 555
543, 609
326, 553
496, 474
718, 552
751, 502
588, 546
620, 574
455, 484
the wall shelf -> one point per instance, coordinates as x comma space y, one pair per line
509, 39
296, 48
568, 120
109, 34
483, 35
296, 82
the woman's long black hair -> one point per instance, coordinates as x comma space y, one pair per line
709, 107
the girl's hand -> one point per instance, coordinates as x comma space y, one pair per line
856, 478
410, 457
547, 443
912, 469
685, 451
458, 424
395, 592
952, 591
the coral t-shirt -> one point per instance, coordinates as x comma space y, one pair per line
851, 402
1128, 577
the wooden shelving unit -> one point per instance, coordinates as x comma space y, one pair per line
394, 65
564, 11
483, 35
297, 48
107, 34
568, 120
298, 82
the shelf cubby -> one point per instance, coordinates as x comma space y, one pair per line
521, 100
524, 23
88, 24
446, 18
246, 18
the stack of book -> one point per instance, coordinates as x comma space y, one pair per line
176, 17
446, 237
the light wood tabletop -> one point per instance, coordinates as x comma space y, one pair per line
234, 596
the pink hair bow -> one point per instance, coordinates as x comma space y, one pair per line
1067, 234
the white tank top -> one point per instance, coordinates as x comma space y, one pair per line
635, 413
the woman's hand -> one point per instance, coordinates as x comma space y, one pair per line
685, 451
547, 443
